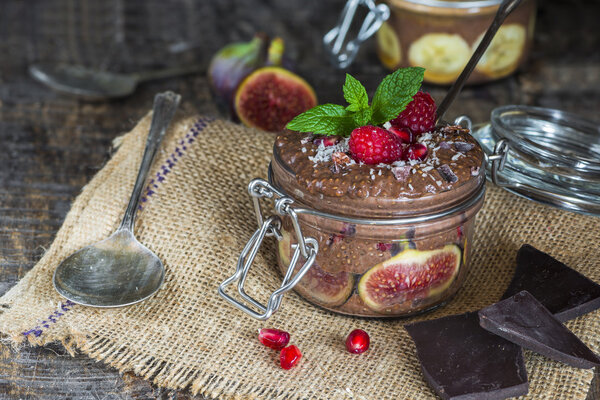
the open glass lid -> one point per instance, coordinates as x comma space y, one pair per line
545, 155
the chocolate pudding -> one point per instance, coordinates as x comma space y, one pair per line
393, 238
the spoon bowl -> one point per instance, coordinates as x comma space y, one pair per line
117, 271
94, 85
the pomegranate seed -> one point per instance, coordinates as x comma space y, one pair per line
274, 338
326, 140
357, 341
289, 357
384, 246
404, 134
417, 151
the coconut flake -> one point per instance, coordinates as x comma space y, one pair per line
324, 153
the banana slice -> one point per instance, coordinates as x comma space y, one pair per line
502, 57
388, 46
441, 54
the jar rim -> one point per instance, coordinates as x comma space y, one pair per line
461, 4
378, 207
466, 204
549, 135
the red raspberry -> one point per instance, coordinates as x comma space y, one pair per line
374, 145
419, 115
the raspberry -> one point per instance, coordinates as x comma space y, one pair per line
419, 115
374, 145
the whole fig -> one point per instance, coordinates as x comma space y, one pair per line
234, 62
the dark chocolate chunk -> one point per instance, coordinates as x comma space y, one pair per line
445, 145
447, 173
563, 291
525, 321
461, 360
463, 147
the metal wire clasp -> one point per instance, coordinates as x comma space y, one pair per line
341, 56
306, 247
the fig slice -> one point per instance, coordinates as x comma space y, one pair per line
324, 288
270, 97
411, 274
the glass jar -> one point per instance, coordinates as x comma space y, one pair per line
441, 35
550, 156
376, 263
402, 249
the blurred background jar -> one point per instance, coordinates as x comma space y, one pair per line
441, 35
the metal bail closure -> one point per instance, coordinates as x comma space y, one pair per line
342, 55
306, 247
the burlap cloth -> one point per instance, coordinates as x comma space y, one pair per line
197, 217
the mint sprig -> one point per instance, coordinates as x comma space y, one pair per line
355, 94
325, 119
390, 99
394, 92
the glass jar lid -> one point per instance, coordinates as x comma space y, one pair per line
546, 155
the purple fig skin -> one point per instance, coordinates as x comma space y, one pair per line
234, 62
230, 65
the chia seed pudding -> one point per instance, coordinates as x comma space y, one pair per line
376, 269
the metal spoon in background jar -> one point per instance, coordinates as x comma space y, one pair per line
95, 85
119, 270
505, 8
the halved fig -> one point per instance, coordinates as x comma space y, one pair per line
270, 97
412, 274
318, 285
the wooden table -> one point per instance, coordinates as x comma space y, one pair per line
52, 145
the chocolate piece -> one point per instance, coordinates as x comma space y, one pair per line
563, 291
525, 321
463, 147
445, 145
461, 360
401, 173
447, 173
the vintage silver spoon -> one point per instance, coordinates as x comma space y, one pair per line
505, 8
91, 84
119, 270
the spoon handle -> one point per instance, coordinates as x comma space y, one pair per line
164, 108
506, 7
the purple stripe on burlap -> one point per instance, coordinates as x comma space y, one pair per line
165, 168
52, 319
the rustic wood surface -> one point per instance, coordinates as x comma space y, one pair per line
52, 145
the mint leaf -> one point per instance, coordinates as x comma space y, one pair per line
362, 117
324, 119
394, 93
355, 94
